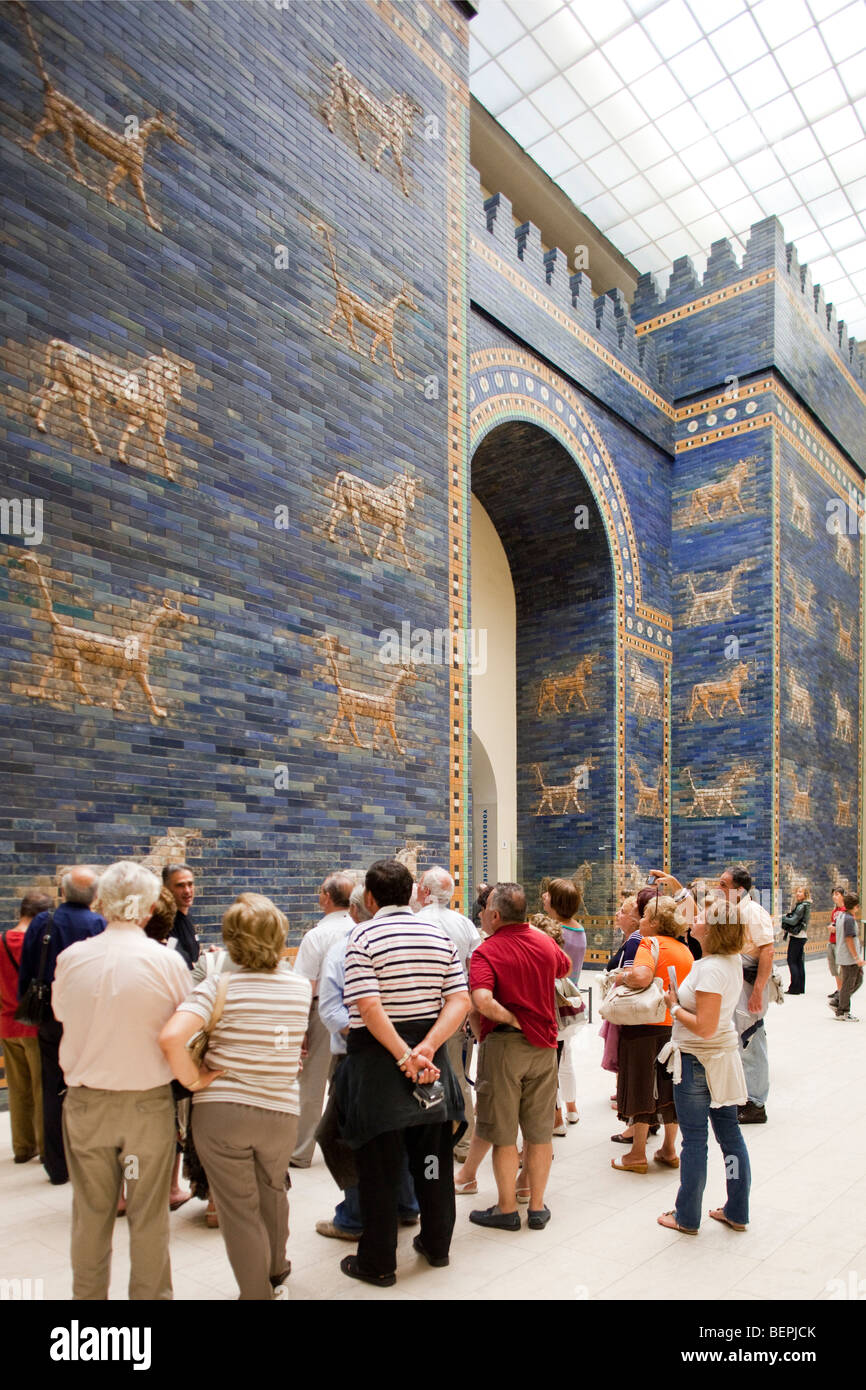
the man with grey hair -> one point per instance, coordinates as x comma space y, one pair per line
114, 994
333, 926
435, 891
47, 936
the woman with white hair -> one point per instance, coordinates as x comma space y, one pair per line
113, 993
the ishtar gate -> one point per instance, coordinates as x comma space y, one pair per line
346, 511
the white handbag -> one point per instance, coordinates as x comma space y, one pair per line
630, 1007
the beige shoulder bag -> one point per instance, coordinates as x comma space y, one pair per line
628, 1007
197, 1045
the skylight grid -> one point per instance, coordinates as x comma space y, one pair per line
671, 123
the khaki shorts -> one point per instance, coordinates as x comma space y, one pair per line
515, 1086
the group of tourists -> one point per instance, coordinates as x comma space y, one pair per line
152, 1049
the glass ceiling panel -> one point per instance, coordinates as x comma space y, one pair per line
672, 122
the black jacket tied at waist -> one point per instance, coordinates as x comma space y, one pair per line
374, 1096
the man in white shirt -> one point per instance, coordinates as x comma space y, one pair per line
435, 891
334, 926
757, 959
113, 994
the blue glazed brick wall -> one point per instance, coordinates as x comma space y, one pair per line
238, 287
816, 670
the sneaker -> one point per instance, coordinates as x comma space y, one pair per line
327, 1228
440, 1263
538, 1219
847, 1018
751, 1114
499, 1220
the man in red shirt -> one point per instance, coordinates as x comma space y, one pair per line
20, 1043
512, 978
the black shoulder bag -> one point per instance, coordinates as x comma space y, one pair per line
35, 1008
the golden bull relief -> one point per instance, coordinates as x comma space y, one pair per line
844, 729
126, 658
724, 494
390, 121
385, 507
844, 814
647, 692
844, 631
726, 691
801, 796
802, 591
801, 700
124, 150
142, 395
567, 687
801, 512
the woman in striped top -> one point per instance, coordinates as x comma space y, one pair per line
245, 1103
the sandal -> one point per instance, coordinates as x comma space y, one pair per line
212, 1220
719, 1215
666, 1162
628, 1167
622, 1139
466, 1188
674, 1225
523, 1194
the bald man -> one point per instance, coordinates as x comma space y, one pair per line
72, 921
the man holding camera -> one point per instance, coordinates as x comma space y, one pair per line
396, 1093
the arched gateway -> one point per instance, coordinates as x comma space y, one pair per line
592, 662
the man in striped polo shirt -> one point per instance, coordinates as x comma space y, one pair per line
406, 994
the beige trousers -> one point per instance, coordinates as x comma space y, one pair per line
24, 1084
245, 1152
112, 1136
312, 1083
454, 1048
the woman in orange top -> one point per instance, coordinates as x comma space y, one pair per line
644, 1090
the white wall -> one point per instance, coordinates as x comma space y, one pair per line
494, 694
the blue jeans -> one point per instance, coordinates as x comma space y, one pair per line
692, 1099
347, 1214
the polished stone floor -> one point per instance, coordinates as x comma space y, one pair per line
808, 1222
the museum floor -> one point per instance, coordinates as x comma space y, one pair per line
603, 1241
